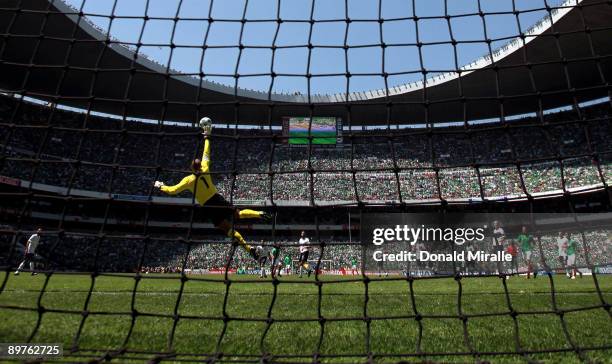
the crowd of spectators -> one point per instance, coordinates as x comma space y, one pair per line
373, 165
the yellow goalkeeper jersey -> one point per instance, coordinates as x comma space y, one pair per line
204, 188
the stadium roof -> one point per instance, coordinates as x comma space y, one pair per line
556, 64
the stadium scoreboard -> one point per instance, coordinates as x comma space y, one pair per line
321, 130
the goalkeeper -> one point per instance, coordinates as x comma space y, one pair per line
201, 185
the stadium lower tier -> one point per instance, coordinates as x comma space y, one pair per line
85, 252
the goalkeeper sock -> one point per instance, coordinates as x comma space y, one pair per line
249, 214
236, 235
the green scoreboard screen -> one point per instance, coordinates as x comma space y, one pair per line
322, 129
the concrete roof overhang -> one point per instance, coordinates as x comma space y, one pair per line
47, 52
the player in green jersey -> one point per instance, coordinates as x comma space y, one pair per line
572, 247
276, 263
526, 242
354, 266
287, 261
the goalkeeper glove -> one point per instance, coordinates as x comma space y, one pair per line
158, 184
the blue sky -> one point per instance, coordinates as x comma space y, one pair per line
365, 35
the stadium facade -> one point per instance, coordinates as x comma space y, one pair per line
554, 64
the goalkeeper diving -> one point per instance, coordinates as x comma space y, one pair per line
200, 184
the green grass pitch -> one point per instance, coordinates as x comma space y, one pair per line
393, 329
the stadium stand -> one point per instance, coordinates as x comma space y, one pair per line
490, 146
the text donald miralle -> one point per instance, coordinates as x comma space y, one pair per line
414, 235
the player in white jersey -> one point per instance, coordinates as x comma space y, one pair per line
381, 267
499, 239
421, 267
262, 258
304, 252
30, 251
469, 264
499, 236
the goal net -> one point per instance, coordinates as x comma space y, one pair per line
323, 113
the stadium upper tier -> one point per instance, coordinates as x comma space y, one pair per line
50, 51
529, 156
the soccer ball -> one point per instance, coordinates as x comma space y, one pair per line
206, 124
